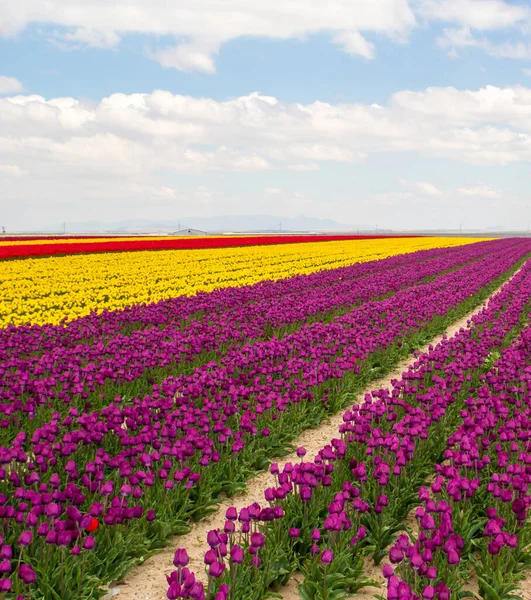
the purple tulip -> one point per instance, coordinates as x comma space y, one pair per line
294, 532
5, 566
216, 569
453, 557
27, 574
231, 514
388, 571
236, 554
107, 488
174, 591
25, 539
53, 510
255, 562
395, 555
180, 558
89, 542
494, 547
213, 539
257, 540
197, 591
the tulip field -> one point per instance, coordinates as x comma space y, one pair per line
140, 386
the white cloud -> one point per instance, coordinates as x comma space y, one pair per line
391, 198
304, 167
455, 39
10, 85
353, 43
478, 14
428, 188
480, 190
199, 28
187, 57
472, 111
166, 192
83, 36
421, 187
145, 133
526, 72
12, 170
77, 150
472, 16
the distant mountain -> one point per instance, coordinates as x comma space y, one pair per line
225, 223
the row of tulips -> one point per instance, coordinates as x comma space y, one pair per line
99, 327
273, 303
56, 289
473, 516
53, 247
326, 516
78, 496
40, 365
43, 238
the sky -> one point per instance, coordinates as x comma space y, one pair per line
405, 114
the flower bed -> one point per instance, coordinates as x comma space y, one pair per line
90, 356
473, 516
325, 516
54, 289
87, 493
72, 246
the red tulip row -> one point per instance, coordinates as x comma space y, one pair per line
50, 238
190, 243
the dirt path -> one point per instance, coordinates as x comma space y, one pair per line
147, 581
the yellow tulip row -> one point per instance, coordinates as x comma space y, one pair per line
47, 290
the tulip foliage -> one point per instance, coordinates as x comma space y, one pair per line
459, 412
118, 429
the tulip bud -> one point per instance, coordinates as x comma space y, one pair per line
216, 569
388, 571
27, 574
89, 543
257, 540
25, 539
231, 514
180, 558
236, 554
294, 532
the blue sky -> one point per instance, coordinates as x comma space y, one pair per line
291, 70
406, 114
